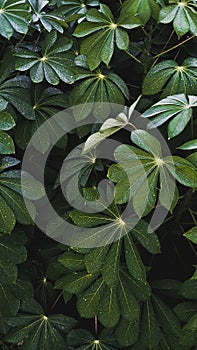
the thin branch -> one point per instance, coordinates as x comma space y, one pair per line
135, 58
174, 47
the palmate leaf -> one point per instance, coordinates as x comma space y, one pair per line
81, 339
187, 312
12, 204
45, 104
159, 327
178, 107
11, 91
75, 7
102, 32
183, 16
54, 63
91, 289
138, 172
49, 20
12, 290
117, 228
14, 16
172, 78
33, 327
99, 86
6, 142
145, 9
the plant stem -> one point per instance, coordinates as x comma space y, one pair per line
174, 47
164, 47
135, 58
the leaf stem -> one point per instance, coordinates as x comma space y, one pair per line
135, 58
96, 325
57, 299
174, 47
164, 47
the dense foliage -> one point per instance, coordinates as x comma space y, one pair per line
140, 290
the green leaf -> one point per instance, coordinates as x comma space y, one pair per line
44, 104
72, 261
100, 87
172, 78
9, 304
145, 9
54, 63
11, 91
48, 20
188, 289
141, 291
108, 128
133, 260
129, 306
95, 258
189, 332
6, 143
149, 328
191, 234
102, 31
147, 142
189, 145
16, 203
14, 16
179, 107
185, 310
33, 328
75, 283
167, 318
182, 170
183, 16
127, 332
22, 183
147, 239
110, 270
6, 121
5, 212
88, 302
109, 310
